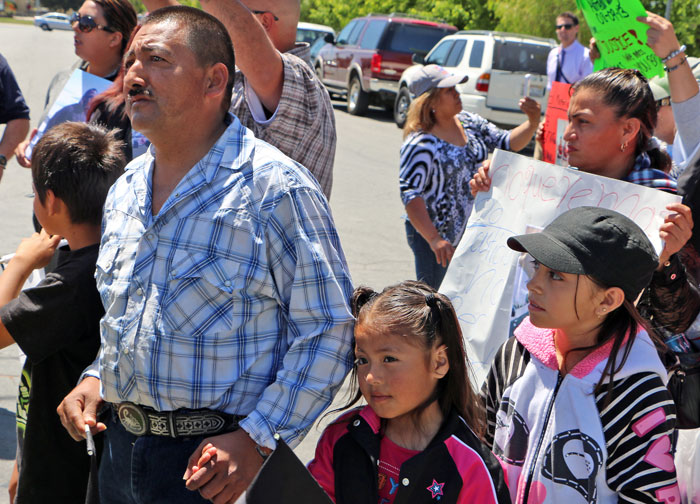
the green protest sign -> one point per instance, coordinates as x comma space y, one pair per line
620, 38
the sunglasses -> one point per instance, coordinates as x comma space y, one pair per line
566, 26
86, 23
265, 12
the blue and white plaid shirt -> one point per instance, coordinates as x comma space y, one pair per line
235, 297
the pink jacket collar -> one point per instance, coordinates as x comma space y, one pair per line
540, 343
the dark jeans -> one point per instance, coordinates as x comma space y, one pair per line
427, 268
146, 469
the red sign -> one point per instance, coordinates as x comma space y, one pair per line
555, 120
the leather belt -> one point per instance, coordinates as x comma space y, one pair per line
143, 420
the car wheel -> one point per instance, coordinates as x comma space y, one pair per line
358, 100
45, 27
403, 101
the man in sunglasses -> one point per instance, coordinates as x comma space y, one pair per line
276, 92
570, 61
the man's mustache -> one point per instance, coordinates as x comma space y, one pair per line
139, 91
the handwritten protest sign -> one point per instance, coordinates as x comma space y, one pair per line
555, 121
525, 192
621, 39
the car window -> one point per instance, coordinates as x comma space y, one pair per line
413, 38
456, 53
438, 55
309, 35
316, 47
345, 33
355, 34
374, 31
477, 54
520, 57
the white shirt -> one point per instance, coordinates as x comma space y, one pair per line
577, 63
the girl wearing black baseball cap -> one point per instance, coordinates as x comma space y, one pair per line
578, 410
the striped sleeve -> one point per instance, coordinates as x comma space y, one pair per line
508, 365
416, 166
638, 423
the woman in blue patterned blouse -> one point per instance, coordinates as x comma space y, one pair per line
443, 146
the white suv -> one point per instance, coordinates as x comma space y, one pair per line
502, 67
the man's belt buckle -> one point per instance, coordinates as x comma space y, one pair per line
133, 418
181, 423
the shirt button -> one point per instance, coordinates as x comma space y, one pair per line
126, 351
139, 291
227, 283
149, 236
356, 423
405, 482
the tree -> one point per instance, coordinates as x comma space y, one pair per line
461, 13
537, 17
62, 4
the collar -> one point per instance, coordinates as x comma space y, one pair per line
446, 430
302, 51
540, 343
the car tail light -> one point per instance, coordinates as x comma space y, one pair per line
376, 64
482, 83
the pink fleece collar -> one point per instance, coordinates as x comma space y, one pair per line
371, 418
540, 343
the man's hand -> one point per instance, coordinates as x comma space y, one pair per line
80, 407
36, 251
22, 149
223, 466
481, 182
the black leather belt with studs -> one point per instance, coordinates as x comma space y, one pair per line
143, 421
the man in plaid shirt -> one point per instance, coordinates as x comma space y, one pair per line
276, 92
224, 284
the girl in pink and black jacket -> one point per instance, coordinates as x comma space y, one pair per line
417, 439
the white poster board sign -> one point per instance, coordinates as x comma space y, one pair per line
526, 193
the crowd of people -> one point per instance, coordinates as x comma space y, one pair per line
204, 307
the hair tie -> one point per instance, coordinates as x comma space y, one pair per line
431, 301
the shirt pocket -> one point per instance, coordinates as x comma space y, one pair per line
201, 289
113, 275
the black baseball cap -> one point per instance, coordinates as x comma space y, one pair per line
594, 241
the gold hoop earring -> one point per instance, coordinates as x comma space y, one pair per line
623, 146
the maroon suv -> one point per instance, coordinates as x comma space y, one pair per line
367, 59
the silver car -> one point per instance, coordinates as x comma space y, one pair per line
53, 20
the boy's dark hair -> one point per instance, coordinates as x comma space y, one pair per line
79, 162
206, 36
573, 17
419, 313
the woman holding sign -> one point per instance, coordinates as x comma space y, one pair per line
101, 31
442, 148
612, 116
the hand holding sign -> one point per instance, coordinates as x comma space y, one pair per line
620, 36
660, 37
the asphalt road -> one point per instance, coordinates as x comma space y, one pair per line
365, 200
